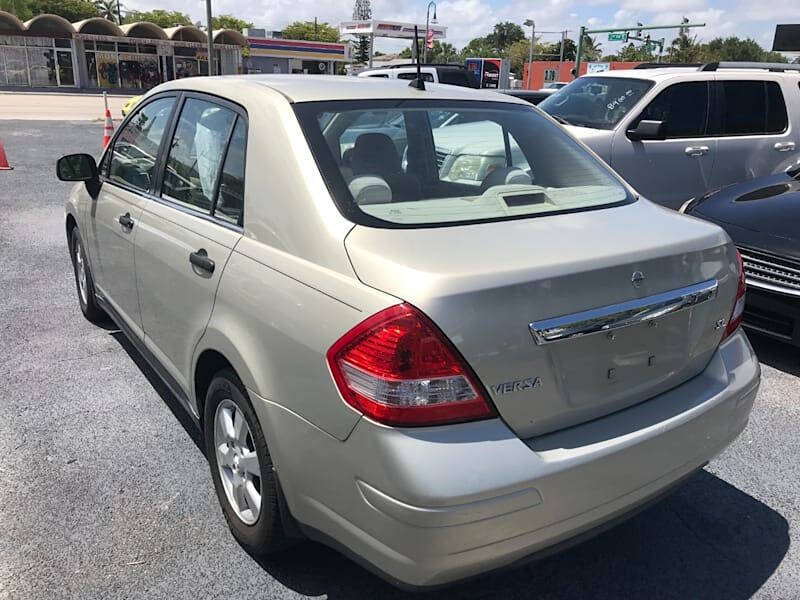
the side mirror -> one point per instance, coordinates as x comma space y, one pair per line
647, 130
76, 167
79, 167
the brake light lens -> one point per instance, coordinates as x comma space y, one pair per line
738, 307
398, 368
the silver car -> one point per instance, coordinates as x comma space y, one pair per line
676, 133
439, 375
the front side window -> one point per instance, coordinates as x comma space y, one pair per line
596, 102
751, 108
426, 163
196, 153
682, 108
134, 156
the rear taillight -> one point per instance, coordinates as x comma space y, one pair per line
738, 306
398, 368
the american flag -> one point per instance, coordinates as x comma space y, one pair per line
429, 42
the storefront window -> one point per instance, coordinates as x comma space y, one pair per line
42, 67
91, 69
16, 66
186, 67
107, 70
138, 71
3, 79
66, 74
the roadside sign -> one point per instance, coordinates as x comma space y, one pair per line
618, 37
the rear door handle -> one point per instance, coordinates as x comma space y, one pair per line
126, 221
200, 260
784, 146
696, 150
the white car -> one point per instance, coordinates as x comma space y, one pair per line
431, 73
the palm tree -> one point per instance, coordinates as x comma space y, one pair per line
109, 9
592, 49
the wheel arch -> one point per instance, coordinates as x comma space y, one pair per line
215, 353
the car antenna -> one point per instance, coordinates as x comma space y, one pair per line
417, 83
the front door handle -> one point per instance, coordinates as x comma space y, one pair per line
200, 260
126, 221
696, 150
784, 146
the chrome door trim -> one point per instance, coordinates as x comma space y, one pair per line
624, 314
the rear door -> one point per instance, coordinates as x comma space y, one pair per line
188, 232
671, 170
129, 170
751, 122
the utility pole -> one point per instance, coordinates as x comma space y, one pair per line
561, 55
532, 24
210, 39
638, 28
119, 13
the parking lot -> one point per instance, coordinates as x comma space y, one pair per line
105, 492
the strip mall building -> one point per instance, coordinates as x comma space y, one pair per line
49, 51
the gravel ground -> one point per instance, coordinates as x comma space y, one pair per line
104, 492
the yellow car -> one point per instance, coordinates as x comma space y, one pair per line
128, 106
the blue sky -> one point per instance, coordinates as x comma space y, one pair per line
467, 19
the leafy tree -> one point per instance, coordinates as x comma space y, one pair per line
162, 18
735, 49
518, 53
19, 8
504, 35
303, 30
405, 53
108, 9
362, 11
230, 22
478, 48
633, 53
71, 10
685, 49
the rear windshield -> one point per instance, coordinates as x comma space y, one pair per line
418, 163
596, 102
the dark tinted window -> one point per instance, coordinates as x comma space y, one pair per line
133, 159
384, 75
425, 76
683, 108
196, 153
453, 77
230, 202
750, 108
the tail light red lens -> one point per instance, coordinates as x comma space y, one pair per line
738, 306
398, 368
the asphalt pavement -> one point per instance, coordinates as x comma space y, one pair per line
105, 493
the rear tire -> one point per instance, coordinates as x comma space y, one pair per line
241, 467
84, 280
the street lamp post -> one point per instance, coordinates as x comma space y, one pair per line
210, 39
532, 24
427, 26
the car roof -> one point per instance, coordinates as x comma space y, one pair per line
311, 88
657, 74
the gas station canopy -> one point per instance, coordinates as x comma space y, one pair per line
390, 29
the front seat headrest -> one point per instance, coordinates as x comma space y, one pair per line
369, 189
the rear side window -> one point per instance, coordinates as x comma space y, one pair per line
682, 108
230, 202
383, 75
196, 152
751, 108
425, 76
453, 77
133, 158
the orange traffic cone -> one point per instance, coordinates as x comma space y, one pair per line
108, 129
4, 166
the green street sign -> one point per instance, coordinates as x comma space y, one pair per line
616, 37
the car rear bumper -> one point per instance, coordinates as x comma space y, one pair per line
429, 506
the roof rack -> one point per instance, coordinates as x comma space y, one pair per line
406, 65
649, 65
773, 67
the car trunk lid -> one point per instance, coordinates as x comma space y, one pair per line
485, 285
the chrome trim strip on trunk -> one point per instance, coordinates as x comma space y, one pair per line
624, 314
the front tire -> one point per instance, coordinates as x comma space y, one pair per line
84, 280
241, 467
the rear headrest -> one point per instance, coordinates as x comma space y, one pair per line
375, 153
369, 189
506, 176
